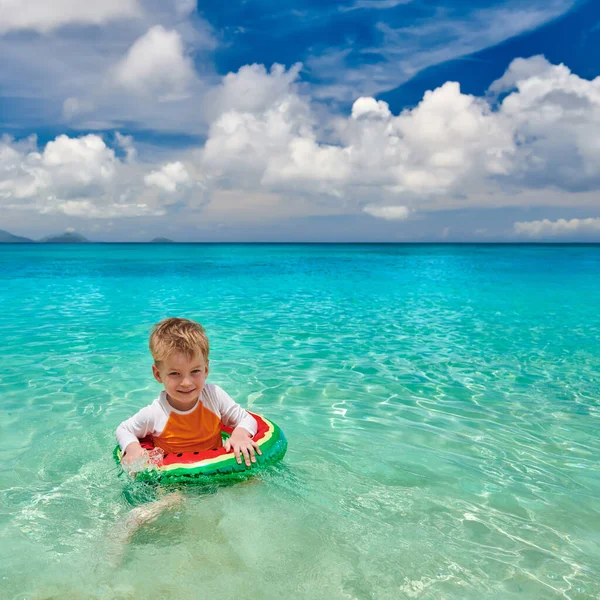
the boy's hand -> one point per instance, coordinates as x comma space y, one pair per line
133, 457
242, 443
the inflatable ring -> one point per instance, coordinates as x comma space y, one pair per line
189, 466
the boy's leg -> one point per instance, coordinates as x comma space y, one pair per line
136, 518
146, 513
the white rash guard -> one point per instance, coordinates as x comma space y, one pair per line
152, 419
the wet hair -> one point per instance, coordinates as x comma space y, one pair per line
174, 335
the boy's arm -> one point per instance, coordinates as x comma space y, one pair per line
245, 427
130, 432
233, 415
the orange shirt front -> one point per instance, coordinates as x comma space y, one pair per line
195, 431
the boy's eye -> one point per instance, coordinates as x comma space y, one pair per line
173, 373
196, 371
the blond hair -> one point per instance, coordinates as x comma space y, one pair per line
174, 335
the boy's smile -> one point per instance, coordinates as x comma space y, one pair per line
183, 377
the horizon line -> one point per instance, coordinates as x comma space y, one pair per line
348, 243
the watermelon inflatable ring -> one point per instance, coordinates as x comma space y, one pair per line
217, 463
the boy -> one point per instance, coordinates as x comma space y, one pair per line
187, 415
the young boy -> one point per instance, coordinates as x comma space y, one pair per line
187, 415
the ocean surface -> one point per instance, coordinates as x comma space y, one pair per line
441, 402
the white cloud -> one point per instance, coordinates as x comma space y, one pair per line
276, 152
430, 149
451, 150
84, 160
555, 116
89, 210
64, 73
561, 227
520, 69
389, 213
67, 167
45, 15
184, 8
156, 63
374, 4
369, 107
169, 177
252, 90
77, 177
117, 79
264, 132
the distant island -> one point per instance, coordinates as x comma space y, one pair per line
69, 237
9, 238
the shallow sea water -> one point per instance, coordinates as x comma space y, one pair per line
442, 406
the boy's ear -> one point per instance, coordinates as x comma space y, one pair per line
156, 374
207, 368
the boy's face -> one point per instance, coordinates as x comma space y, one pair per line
183, 378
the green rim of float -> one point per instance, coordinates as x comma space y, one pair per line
193, 466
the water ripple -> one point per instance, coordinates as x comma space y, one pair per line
441, 405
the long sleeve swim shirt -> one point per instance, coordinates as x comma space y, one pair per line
192, 430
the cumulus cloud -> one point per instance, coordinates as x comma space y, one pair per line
44, 16
451, 150
520, 69
156, 63
169, 177
280, 142
561, 227
63, 72
447, 138
389, 213
532, 140
264, 131
67, 167
369, 107
83, 160
79, 177
253, 89
555, 118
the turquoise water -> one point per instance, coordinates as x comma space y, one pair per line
442, 405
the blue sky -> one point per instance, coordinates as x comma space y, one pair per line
356, 120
